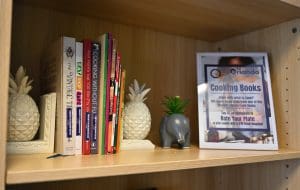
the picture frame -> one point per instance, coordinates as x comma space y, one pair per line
45, 141
235, 103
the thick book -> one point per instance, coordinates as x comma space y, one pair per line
94, 97
59, 68
87, 77
103, 40
79, 58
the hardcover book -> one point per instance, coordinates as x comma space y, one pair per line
86, 117
60, 77
103, 40
235, 104
109, 91
94, 97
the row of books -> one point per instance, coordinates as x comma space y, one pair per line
89, 81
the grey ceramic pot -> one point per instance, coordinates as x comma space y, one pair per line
175, 130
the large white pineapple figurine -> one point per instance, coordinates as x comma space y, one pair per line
23, 118
137, 118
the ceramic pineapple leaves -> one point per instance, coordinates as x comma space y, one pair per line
20, 75
19, 84
144, 93
12, 85
137, 92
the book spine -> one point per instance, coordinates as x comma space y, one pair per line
86, 142
108, 90
102, 91
94, 98
121, 108
112, 106
79, 51
117, 101
69, 100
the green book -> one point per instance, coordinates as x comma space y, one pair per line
103, 39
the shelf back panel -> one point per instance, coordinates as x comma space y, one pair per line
175, 180
209, 20
166, 63
282, 43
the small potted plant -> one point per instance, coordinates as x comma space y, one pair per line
175, 127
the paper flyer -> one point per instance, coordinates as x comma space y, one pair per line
235, 104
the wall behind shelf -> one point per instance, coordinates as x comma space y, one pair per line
175, 180
167, 63
282, 42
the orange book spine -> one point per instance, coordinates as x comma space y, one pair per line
120, 119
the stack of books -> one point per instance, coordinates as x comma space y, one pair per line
89, 81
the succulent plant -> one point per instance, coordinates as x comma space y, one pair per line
174, 105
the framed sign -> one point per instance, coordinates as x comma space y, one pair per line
235, 104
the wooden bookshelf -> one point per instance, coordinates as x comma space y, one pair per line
158, 41
36, 168
209, 20
5, 36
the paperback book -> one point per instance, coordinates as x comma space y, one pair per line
79, 84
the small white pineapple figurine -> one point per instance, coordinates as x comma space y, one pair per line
23, 118
137, 118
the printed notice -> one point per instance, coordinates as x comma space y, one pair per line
235, 103
236, 98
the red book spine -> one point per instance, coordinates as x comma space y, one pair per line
87, 76
116, 101
112, 114
108, 88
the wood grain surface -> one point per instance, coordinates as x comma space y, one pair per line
282, 42
166, 62
209, 20
36, 168
5, 35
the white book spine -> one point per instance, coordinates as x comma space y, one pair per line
69, 95
79, 83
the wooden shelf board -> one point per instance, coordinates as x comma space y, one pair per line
36, 168
209, 20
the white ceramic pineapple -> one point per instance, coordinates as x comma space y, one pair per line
137, 118
23, 118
